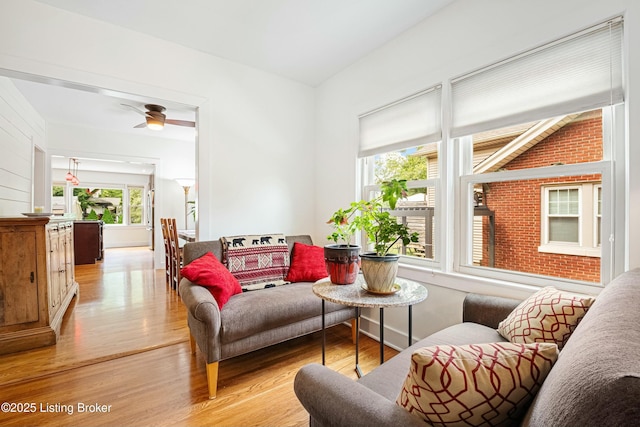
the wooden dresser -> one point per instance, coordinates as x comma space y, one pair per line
37, 280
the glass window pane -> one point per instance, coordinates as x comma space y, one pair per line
57, 199
569, 139
564, 229
507, 228
99, 203
410, 164
418, 211
135, 205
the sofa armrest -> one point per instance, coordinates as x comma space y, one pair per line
200, 303
331, 399
487, 310
203, 318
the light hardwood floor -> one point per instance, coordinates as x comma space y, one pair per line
123, 359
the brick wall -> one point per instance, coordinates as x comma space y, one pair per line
517, 204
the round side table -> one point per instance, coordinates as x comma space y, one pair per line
357, 295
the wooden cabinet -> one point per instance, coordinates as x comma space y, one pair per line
87, 238
37, 281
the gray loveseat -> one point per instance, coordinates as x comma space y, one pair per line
251, 320
595, 381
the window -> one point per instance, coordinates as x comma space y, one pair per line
563, 215
135, 204
57, 199
401, 141
531, 189
571, 222
100, 203
537, 135
416, 165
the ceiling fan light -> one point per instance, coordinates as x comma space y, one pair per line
154, 124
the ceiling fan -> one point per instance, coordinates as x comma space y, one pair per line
156, 119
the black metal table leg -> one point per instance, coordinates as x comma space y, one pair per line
410, 325
381, 335
323, 332
358, 370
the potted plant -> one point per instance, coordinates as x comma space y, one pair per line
382, 229
342, 258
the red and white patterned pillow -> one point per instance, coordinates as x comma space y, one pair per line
549, 315
477, 384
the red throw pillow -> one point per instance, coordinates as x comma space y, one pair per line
207, 271
307, 263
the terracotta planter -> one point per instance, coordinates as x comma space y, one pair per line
343, 263
379, 271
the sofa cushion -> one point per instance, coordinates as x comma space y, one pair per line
476, 384
549, 315
388, 378
207, 271
307, 263
257, 261
255, 312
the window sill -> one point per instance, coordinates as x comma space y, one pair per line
500, 286
570, 250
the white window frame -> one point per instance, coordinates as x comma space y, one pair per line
464, 259
587, 229
125, 200
597, 214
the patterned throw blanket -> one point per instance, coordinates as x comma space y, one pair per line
257, 261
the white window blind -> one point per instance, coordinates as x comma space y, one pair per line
409, 122
577, 73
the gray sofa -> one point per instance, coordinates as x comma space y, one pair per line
595, 381
251, 320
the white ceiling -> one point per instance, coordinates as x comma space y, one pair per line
304, 40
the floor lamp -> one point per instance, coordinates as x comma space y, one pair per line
186, 183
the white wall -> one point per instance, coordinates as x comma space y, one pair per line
21, 128
465, 36
255, 130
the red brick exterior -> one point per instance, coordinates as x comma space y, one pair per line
517, 204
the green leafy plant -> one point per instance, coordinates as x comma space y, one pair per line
107, 218
374, 218
343, 226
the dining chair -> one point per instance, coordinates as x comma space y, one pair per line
176, 253
167, 249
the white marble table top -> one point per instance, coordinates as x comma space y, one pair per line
356, 295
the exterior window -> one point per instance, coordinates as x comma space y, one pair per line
563, 215
572, 220
135, 205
